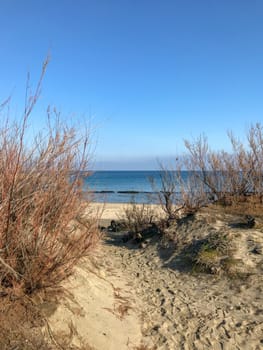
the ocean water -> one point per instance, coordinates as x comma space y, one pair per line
123, 186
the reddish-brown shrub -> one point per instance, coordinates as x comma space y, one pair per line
43, 228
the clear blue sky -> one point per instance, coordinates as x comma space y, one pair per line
150, 72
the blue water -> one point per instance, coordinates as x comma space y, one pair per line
107, 186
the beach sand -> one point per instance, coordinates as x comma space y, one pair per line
115, 211
130, 297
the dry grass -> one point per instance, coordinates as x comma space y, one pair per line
251, 206
20, 326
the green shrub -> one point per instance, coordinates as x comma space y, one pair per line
214, 254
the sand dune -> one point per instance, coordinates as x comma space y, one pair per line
146, 296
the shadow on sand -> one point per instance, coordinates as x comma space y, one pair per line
168, 252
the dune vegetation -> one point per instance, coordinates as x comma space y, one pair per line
44, 231
230, 183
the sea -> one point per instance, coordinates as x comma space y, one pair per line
123, 186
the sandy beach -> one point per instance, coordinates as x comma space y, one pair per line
145, 298
115, 211
107, 105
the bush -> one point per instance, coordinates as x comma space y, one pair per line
177, 196
232, 179
213, 251
229, 177
138, 217
214, 254
43, 229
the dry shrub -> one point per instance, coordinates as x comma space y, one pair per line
167, 194
178, 196
138, 217
229, 177
43, 230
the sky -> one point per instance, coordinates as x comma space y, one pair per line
145, 74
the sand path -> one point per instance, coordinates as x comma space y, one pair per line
144, 296
184, 311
